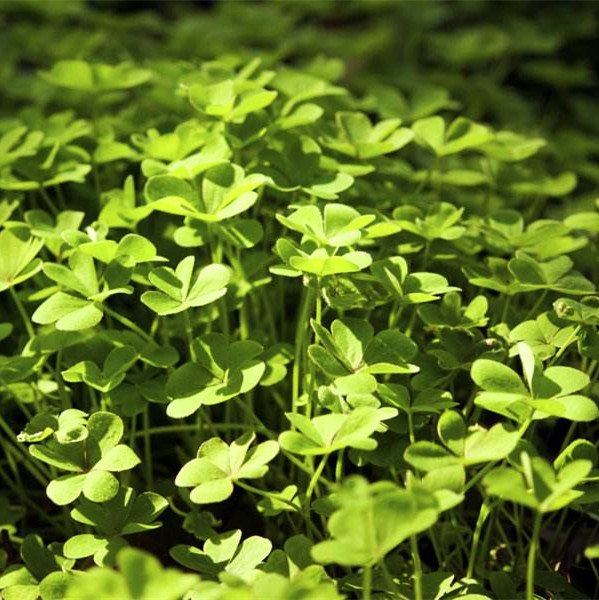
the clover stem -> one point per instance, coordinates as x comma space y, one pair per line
536, 306
129, 324
411, 322
189, 334
301, 331
482, 517
64, 397
93, 399
254, 490
426, 255
318, 317
263, 429
147, 448
570, 339
506, 308
44, 194
532, 555
339, 466
314, 480
22, 313
411, 426
394, 315
367, 583
417, 568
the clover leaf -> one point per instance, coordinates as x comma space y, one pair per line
357, 137
93, 78
297, 163
409, 288
180, 289
329, 433
549, 392
90, 452
537, 485
18, 260
221, 371
213, 473
440, 221
71, 312
230, 102
462, 446
114, 370
226, 192
320, 262
125, 514
338, 225
372, 519
225, 556
17, 143
139, 577
352, 347
463, 134
44, 572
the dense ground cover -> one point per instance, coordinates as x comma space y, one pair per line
298, 301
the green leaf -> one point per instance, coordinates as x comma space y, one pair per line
495, 377
372, 521
218, 465
100, 486
65, 489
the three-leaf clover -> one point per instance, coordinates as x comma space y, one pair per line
463, 134
536, 483
219, 372
114, 370
337, 225
544, 393
335, 431
372, 519
125, 514
90, 452
180, 289
70, 312
225, 556
44, 572
218, 465
139, 577
351, 347
357, 137
461, 445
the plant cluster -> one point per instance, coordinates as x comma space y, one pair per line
298, 302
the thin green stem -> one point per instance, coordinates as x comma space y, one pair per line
536, 306
128, 323
147, 449
314, 479
417, 568
506, 308
44, 194
367, 583
189, 334
301, 333
270, 495
532, 555
570, 339
482, 517
22, 313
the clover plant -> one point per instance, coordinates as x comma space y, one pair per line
298, 301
